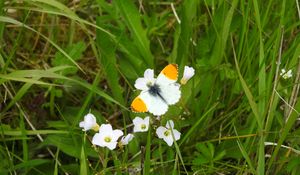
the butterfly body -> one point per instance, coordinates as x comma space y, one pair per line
155, 91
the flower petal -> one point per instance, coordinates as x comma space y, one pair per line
160, 132
170, 124
141, 84
88, 123
282, 72
169, 140
126, 139
129, 137
98, 140
149, 74
111, 145
289, 73
90, 118
176, 134
146, 121
116, 134
137, 128
105, 129
137, 120
81, 124
188, 73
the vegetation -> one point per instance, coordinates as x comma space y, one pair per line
63, 59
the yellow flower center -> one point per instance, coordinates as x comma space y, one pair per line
167, 133
183, 81
107, 139
149, 83
95, 127
143, 126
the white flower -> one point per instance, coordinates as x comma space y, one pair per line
165, 133
126, 139
107, 137
141, 125
188, 73
286, 75
89, 122
148, 80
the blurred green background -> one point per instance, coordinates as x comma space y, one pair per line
60, 59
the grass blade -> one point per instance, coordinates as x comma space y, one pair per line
83, 161
13, 21
132, 18
107, 48
244, 153
147, 162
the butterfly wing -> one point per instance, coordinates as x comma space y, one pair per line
166, 81
170, 92
155, 104
138, 105
147, 102
168, 75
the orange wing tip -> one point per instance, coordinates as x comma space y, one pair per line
138, 105
171, 71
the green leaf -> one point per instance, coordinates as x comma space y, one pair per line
200, 160
207, 150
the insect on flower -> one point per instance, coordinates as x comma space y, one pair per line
157, 94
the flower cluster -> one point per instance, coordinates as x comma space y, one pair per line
106, 136
161, 92
157, 94
286, 74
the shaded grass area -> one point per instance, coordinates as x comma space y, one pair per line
62, 59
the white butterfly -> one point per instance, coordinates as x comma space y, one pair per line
157, 94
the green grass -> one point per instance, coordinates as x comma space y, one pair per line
61, 59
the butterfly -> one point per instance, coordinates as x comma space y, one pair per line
157, 93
